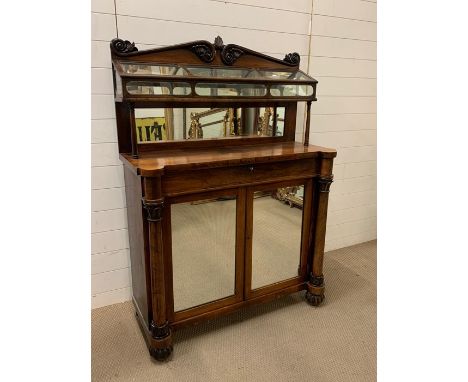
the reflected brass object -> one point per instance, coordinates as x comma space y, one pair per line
264, 127
229, 121
195, 131
289, 196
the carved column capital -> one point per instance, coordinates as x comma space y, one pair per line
159, 332
324, 183
154, 209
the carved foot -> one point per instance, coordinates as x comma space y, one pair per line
161, 354
314, 299
315, 290
161, 344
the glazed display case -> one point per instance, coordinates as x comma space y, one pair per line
224, 208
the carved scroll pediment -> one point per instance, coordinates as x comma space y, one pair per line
205, 51
120, 46
231, 53
292, 58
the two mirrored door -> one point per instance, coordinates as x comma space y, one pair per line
236, 244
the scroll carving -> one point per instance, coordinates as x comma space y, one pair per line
205, 51
123, 46
230, 54
153, 210
324, 183
292, 58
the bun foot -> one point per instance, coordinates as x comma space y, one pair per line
314, 299
161, 354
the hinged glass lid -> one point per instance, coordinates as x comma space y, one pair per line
130, 69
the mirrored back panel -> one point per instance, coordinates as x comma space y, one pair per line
276, 235
203, 251
175, 124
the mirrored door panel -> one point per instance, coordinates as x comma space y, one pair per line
276, 235
203, 251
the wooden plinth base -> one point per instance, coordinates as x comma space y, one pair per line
159, 348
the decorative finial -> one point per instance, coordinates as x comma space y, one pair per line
218, 42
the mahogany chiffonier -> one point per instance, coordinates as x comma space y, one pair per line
224, 208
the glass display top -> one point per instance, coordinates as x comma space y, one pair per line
141, 69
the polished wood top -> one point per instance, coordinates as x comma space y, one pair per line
157, 162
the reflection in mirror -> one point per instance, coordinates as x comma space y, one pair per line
263, 121
154, 125
203, 251
276, 235
213, 123
168, 124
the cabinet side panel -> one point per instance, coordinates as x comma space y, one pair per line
138, 255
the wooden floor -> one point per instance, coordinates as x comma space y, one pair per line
335, 342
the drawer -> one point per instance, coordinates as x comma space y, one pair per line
223, 177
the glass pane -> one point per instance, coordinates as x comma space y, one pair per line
170, 124
291, 90
158, 88
212, 72
200, 71
276, 236
280, 75
118, 84
160, 70
232, 90
203, 251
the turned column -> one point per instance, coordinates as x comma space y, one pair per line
161, 337
316, 284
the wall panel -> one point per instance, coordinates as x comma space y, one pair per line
351, 9
336, 41
148, 31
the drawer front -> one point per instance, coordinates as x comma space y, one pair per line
216, 178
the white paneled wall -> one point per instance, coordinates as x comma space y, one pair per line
337, 43
343, 60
